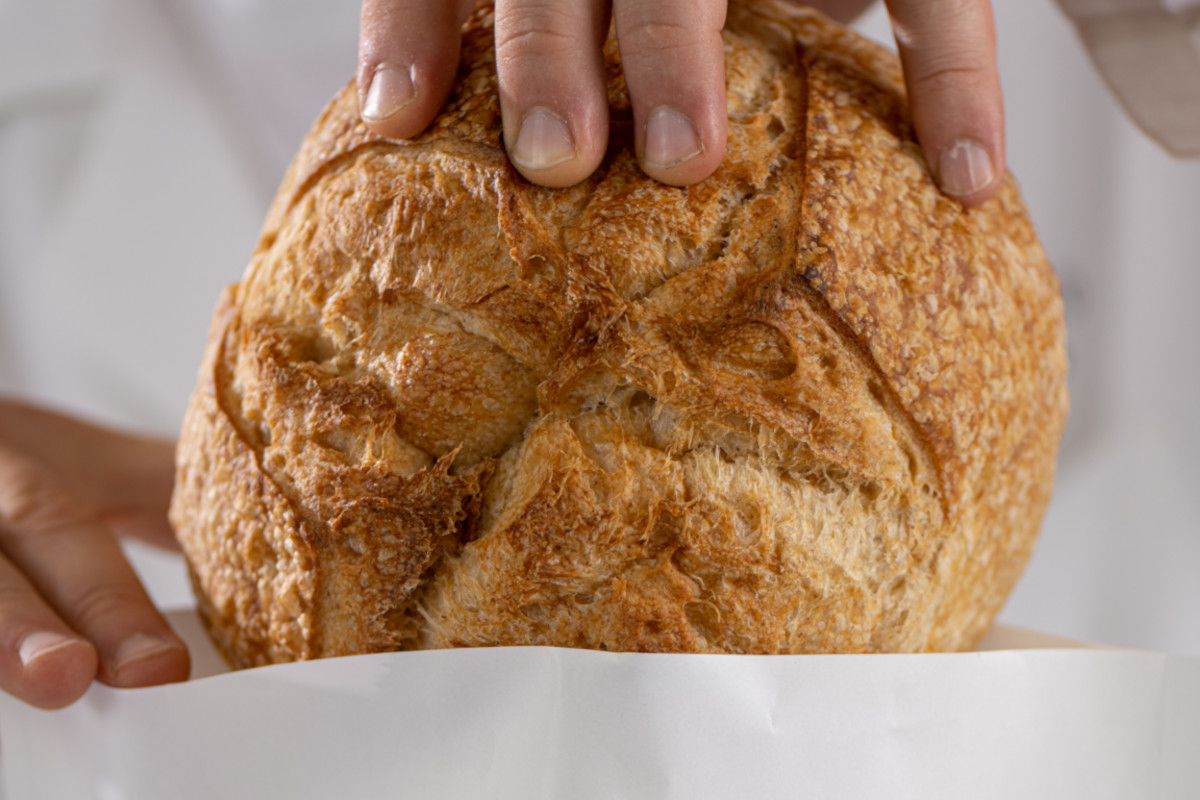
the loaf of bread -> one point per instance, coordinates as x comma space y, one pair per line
808, 405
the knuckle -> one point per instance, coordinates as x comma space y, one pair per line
659, 26
662, 28
535, 27
99, 602
31, 503
15, 597
658, 37
947, 71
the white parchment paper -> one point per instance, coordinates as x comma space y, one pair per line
535, 723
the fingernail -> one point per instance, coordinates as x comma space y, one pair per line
43, 643
964, 168
670, 138
137, 647
543, 141
391, 89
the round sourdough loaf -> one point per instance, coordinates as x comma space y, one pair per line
808, 405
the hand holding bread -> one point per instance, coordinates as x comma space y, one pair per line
553, 102
71, 608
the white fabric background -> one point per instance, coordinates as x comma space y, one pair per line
141, 140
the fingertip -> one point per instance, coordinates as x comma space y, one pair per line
56, 669
552, 151
673, 150
968, 171
551, 76
147, 660
408, 55
673, 55
396, 101
389, 89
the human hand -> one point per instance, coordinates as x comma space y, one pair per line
71, 607
553, 103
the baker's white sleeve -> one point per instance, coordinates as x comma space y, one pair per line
1148, 52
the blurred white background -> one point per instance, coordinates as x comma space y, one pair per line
141, 141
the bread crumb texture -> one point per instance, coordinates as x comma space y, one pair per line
808, 405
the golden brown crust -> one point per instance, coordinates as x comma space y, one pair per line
808, 405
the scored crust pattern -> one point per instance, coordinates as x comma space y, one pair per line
808, 405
